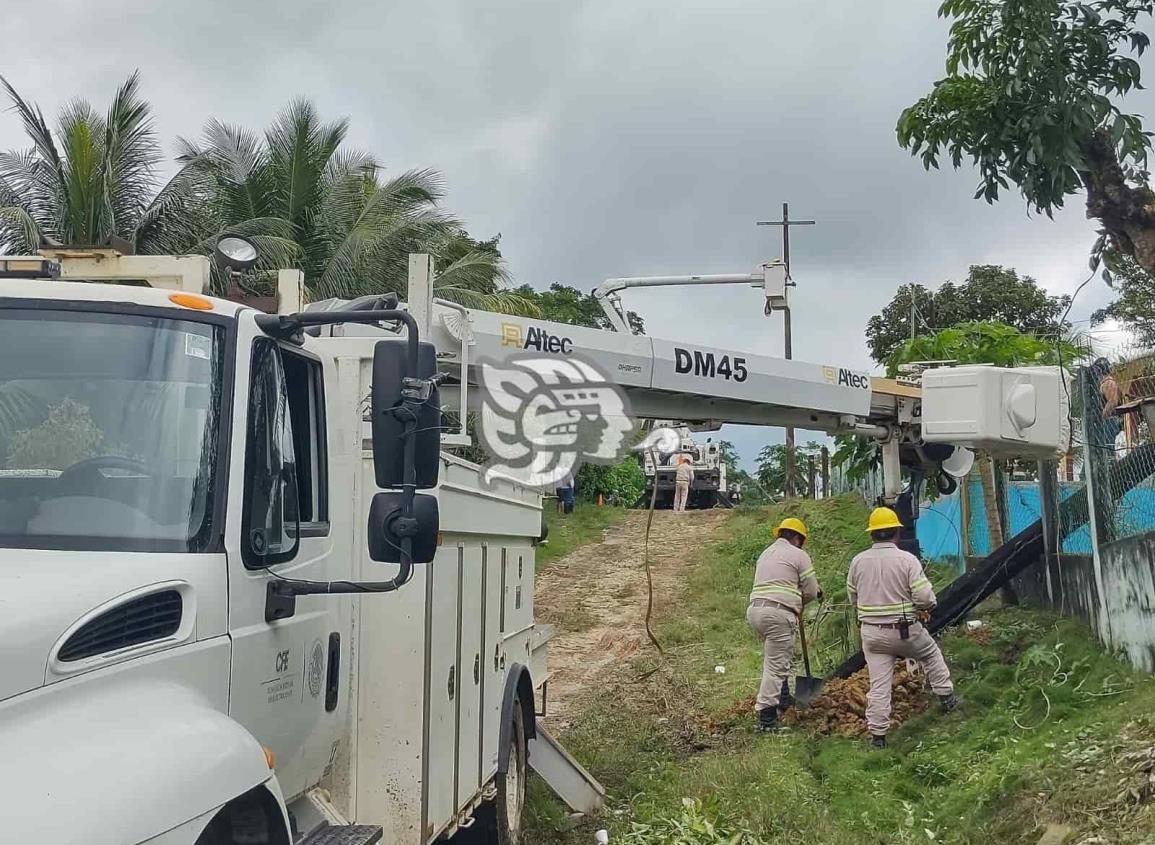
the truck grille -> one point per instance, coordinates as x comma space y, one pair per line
142, 620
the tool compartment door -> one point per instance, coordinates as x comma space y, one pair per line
444, 687
493, 658
469, 661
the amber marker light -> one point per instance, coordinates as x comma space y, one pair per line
189, 300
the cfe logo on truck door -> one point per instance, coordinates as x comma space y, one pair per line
846, 378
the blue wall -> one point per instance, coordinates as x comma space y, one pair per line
940, 522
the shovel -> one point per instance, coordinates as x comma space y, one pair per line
806, 687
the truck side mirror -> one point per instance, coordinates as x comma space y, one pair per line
389, 415
388, 526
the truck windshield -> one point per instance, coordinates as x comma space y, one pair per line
108, 430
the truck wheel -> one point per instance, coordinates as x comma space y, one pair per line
510, 799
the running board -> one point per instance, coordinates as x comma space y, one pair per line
565, 775
345, 834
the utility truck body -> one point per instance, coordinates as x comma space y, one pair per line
709, 486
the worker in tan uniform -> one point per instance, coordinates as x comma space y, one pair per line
894, 597
683, 475
784, 581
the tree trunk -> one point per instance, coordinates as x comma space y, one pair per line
994, 520
1127, 212
990, 502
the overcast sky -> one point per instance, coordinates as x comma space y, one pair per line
604, 138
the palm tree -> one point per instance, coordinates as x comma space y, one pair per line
311, 203
92, 179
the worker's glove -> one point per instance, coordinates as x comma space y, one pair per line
924, 616
820, 597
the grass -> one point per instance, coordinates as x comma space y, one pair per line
1052, 729
568, 531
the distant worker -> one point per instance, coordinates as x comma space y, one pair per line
894, 597
784, 581
565, 495
682, 478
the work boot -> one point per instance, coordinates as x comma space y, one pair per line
878, 741
949, 703
785, 699
768, 720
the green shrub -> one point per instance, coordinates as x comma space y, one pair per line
620, 484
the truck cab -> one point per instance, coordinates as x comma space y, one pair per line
170, 472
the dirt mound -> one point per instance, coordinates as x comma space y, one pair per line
841, 708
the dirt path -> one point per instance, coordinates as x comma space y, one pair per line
595, 597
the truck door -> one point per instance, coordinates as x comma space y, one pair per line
279, 528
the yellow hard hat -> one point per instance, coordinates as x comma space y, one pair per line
791, 523
883, 518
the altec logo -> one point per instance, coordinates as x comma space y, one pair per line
535, 338
845, 378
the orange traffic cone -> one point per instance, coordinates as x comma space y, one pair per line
601, 500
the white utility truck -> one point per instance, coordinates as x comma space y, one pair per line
709, 487
247, 600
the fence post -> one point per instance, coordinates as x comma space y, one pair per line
811, 475
1092, 405
998, 470
1049, 514
825, 472
964, 487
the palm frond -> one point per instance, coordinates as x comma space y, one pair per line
27, 181
84, 217
350, 162
371, 228
299, 149
18, 231
131, 154
236, 160
179, 217
480, 271
501, 302
36, 127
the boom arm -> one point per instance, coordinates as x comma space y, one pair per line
771, 276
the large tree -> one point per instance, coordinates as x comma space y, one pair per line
771, 473
1135, 307
91, 179
990, 292
1032, 97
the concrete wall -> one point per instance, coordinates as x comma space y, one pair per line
1066, 585
1125, 615
1129, 583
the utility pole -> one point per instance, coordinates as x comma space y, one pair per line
786, 223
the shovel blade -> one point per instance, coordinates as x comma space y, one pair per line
806, 690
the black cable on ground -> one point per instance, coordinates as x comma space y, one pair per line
646, 561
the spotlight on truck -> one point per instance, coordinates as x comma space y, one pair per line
235, 253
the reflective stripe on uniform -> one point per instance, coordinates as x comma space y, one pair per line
780, 589
920, 583
809, 573
884, 609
